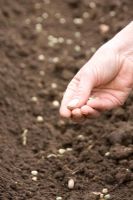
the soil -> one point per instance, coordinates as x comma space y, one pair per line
99, 152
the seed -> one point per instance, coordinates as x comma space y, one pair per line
86, 15
77, 34
104, 190
107, 196
61, 151
69, 41
107, 153
71, 184
41, 57
51, 155
40, 119
77, 48
92, 4
54, 85
34, 172
104, 28
42, 73
34, 99
81, 137
38, 28
78, 21
45, 15
69, 149
58, 198
62, 20
55, 60
24, 137
34, 178
56, 103
60, 39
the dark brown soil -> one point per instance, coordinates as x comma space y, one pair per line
102, 156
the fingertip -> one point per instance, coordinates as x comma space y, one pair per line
65, 113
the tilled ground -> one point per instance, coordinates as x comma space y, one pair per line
43, 44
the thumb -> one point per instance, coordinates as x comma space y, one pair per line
85, 86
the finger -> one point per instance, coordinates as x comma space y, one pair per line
102, 104
68, 95
76, 113
83, 92
89, 112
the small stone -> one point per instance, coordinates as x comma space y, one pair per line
40, 119
56, 103
105, 190
34, 173
104, 28
61, 151
71, 184
41, 57
34, 178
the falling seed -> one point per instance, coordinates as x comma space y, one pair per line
24, 137
34, 172
53, 85
107, 196
38, 27
69, 41
104, 190
71, 184
45, 15
40, 119
34, 178
56, 103
61, 151
62, 20
78, 21
58, 198
51, 155
41, 57
104, 28
77, 48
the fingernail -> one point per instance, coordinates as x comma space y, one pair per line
73, 103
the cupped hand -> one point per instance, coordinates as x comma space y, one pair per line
103, 83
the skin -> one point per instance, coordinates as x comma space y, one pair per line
104, 82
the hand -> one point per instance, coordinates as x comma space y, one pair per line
107, 77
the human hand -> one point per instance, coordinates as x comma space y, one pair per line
107, 77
